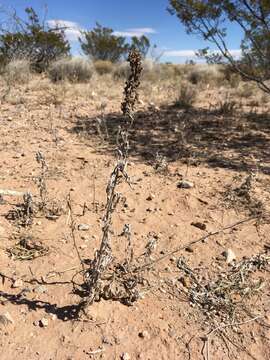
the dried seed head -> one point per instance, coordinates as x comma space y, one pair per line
131, 88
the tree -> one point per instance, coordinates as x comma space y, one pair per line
34, 41
142, 44
101, 44
208, 19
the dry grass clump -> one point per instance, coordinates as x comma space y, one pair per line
71, 69
206, 74
121, 70
245, 90
103, 67
170, 71
151, 71
225, 298
17, 71
187, 95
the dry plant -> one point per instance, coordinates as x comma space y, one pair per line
161, 164
41, 180
241, 196
224, 298
17, 72
27, 249
71, 69
23, 213
51, 208
103, 67
187, 96
226, 107
105, 278
225, 301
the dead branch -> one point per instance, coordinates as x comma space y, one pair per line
12, 192
201, 239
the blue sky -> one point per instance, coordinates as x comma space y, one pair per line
127, 17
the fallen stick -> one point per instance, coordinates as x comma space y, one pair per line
203, 238
12, 192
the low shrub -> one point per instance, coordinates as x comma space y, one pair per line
187, 95
104, 67
17, 71
71, 69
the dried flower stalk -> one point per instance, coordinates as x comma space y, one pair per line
103, 256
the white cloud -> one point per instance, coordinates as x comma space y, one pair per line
135, 32
180, 53
192, 53
72, 29
236, 52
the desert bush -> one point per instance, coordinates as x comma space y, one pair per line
226, 107
103, 43
170, 71
17, 71
150, 70
32, 39
121, 70
187, 95
72, 69
104, 67
245, 90
204, 74
206, 19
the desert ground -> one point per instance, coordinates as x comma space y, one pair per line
197, 205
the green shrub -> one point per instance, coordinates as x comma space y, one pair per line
33, 40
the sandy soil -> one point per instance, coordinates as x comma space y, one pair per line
217, 154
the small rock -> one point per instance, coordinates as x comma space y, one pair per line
199, 225
144, 334
36, 323
83, 246
150, 197
184, 184
229, 255
189, 249
6, 319
41, 289
44, 322
17, 284
83, 227
125, 356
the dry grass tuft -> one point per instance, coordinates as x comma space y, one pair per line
73, 70
187, 95
225, 296
17, 72
103, 67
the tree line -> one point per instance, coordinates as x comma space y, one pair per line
209, 19
34, 40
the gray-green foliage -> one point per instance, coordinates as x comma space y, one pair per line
101, 43
209, 20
